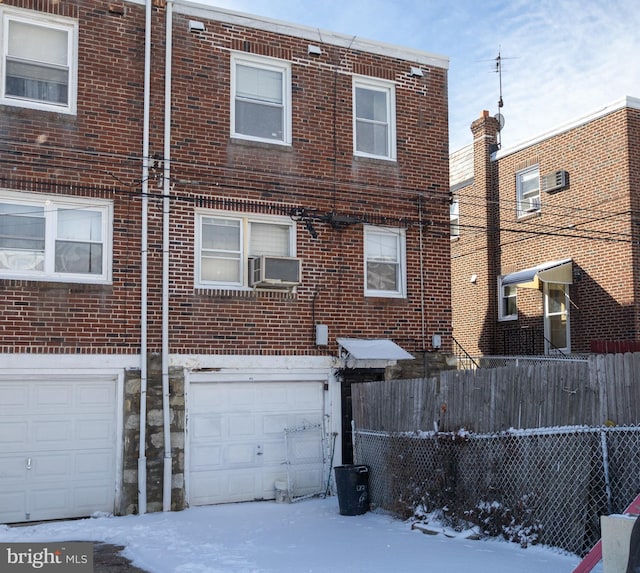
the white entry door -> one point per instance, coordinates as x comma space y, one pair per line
236, 437
57, 448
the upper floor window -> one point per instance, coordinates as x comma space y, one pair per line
261, 99
226, 245
385, 262
528, 191
374, 130
454, 218
54, 238
38, 63
508, 301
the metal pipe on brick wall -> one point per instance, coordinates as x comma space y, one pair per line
144, 239
166, 191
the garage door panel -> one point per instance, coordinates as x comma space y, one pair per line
98, 431
61, 440
250, 421
13, 469
241, 426
12, 396
51, 396
206, 457
14, 435
206, 426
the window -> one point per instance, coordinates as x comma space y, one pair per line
454, 218
528, 191
38, 60
226, 243
508, 301
374, 118
261, 99
54, 239
385, 262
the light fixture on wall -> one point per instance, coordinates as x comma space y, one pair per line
474, 279
436, 341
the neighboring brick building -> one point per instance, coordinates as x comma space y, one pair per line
546, 258
238, 257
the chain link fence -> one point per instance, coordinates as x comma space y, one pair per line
546, 486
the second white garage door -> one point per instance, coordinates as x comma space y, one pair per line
237, 442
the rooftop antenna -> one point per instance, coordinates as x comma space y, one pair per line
498, 115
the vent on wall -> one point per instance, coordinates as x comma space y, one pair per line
554, 181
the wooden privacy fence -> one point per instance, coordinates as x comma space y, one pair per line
602, 389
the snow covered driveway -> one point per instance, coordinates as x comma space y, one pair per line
308, 536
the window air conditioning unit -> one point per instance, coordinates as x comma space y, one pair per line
530, 205
554, 181
274, 272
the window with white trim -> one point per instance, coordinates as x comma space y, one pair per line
374, 121
507, 301
385, 262
55, 238
528, 191
261, 99
225, 243
454, 218
38, 60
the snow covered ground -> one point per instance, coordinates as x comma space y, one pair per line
307, 536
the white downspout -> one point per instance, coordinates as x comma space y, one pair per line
144, 240
166, 191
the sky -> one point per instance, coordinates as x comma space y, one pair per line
561, 59
308, 536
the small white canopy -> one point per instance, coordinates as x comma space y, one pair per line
373, 349
551, 272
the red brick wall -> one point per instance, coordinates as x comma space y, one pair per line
101, 146
590, 222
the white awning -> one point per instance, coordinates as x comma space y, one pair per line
373, 349
551, 272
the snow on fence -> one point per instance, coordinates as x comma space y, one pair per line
545, 486
592, 392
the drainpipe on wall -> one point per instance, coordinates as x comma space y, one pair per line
144, 240
166, 191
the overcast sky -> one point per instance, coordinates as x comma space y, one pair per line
561, 59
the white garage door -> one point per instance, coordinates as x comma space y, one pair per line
57, 448
237, 442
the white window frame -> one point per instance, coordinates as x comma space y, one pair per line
31, 17
389, 90
401, 276
526, 198
245, 221
454, 218
502, 316
270, 64
51, 204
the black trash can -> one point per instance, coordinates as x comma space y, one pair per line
352, 482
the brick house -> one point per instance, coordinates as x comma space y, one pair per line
544, 239
229, 217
